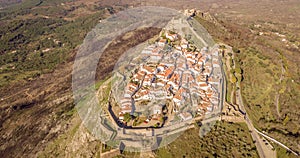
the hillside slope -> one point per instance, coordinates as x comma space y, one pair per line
38, 44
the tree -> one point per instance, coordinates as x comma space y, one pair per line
238, 70
239, 77
233, 79
169, 41
235, 50
135, 114
231, 62
127, 117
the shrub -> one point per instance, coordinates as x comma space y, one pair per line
233, 79
238, 70
127, 117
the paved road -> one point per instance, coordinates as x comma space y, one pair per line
264, 151
274, 140
248, 121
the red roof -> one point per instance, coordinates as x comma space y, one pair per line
203, 85
168, 72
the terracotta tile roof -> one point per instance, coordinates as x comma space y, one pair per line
126, 109
209, 95
139, 75
149, 77
148, 68
163, 40
200, 78
175, 78
203, 85
168, 72
178, 94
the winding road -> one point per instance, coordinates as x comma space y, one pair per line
261, 148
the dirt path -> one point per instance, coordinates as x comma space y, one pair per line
110, 154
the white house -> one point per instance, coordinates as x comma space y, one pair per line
186, 116
162, 42
172, 37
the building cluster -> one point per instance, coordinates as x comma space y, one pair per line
182, 75
190, 12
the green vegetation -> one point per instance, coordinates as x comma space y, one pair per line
127, 117
231, 76
61, 140
260, 88
229, 86
224, 140
233, 79
104, 92
106, 148
59, 147
283, 153
99, 83
269, 75
32, 43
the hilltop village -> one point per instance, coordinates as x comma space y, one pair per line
176, 82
